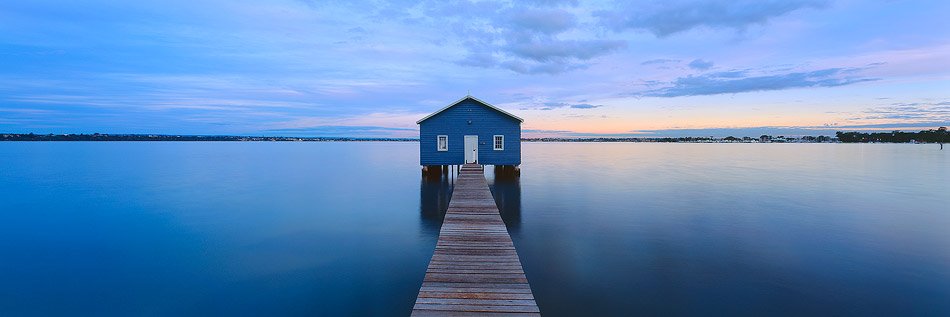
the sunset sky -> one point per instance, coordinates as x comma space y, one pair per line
569, 68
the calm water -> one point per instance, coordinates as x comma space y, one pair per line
175, 228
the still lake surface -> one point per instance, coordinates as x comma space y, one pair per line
281, 228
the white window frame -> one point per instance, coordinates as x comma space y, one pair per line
438, 146
494, 141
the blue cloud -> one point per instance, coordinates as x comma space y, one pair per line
779, 130
659, 61
336, 131
754, 131
546, 21
550, 67
547, 51
728, 74
903, 125
520, 38
550, 2
554, 105
340, 128
733, 82
909, 111
664, 18
245, 66
543, 131
699, 64
478, 59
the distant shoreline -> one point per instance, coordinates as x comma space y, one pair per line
928, 136
182, 138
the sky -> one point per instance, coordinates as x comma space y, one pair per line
570, 68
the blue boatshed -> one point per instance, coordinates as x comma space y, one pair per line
470, 131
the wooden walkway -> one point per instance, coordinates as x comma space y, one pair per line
475, 269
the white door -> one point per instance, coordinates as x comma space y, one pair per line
471, 149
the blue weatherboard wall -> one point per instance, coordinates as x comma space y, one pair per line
486, 123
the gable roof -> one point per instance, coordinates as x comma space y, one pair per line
475, 99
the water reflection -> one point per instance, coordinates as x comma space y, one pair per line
435, 192
735, 229
301, 228
506, 188
654, 229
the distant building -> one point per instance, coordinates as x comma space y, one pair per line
470, 131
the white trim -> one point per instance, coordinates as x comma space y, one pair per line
494, 143
473, 98
438, 146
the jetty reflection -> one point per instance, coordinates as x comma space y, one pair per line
435, 193
506, 188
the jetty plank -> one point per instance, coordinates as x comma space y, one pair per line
475, 268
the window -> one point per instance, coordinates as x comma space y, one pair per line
499, 142
443, 143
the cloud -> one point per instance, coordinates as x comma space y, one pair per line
520, 38
754, 132
340, 128
465, 9
900, 125
547, 106
527, 37
478, 59
659, 61
26, 111
543, 131
553, 67
729, 74
544, 56
583, 116
737, 82
555, 105
547, 51
699, 64
532, 54
550, 2
780, 130
664, 18
908, 111
546, 21
338, 131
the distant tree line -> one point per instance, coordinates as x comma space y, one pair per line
690, 139
929, 136
161, 137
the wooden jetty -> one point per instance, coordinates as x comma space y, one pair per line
475, 268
